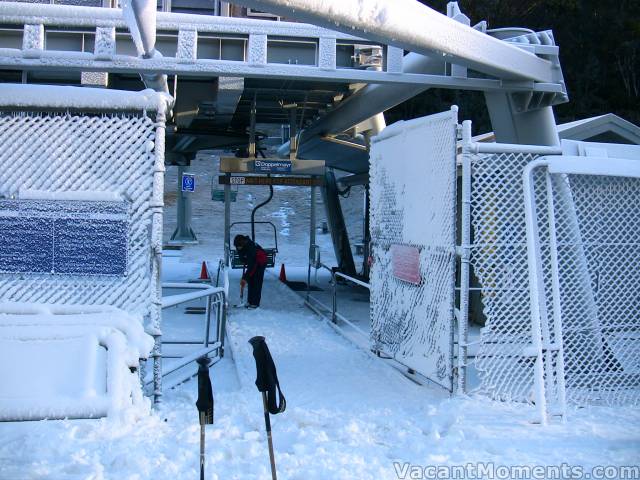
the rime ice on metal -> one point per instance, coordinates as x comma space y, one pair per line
413, 201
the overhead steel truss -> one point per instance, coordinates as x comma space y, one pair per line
86, 39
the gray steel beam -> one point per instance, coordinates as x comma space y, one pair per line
337, 226
415, 27
366, 103
228, 97
14, 59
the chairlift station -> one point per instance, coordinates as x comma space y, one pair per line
502, 231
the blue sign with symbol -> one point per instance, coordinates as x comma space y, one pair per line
272, 166
188, 182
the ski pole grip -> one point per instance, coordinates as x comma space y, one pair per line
205, 392
266, 375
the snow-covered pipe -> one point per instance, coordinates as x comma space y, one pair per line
140, 16
413, 26
157, 206
173, 300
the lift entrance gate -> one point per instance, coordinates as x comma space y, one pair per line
413, 208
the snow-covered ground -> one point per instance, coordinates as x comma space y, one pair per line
349, 416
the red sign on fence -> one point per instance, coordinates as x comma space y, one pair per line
406, 263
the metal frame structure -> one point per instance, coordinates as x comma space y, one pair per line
467, 243
183, 32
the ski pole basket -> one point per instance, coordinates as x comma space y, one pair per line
236, 260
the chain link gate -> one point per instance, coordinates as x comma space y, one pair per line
413, 218
593, 345
588, 317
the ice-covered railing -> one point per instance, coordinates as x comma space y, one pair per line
69, 361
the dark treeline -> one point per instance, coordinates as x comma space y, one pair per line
599, 44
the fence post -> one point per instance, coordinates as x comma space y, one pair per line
465, 240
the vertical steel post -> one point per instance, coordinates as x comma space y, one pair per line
208, 324
536, 282
465, 240
312, 236
183, 232
252, 127
557, 306
227, 219
157, 205
293, 134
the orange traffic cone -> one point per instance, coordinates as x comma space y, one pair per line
283, 274
204, 272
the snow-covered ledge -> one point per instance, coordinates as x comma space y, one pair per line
82, 98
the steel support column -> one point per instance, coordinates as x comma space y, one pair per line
183, 232
337, 226
534, 127
227, 219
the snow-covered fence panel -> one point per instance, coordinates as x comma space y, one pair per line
585, 280
588, 308
77, 186
81, 185
499, 258
413, 208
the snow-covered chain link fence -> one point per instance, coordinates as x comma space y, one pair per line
598, 237
598, 245
62, 152
499, 259
412, 318
84, 149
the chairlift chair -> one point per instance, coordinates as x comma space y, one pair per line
236, 260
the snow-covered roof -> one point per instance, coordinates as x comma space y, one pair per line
589, 128
81, 98
602, 124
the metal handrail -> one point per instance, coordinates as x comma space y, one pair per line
215, 296
335, 315
216, 300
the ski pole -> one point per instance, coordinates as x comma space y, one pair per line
242, 289
202, 440
204, 404
267, 425
267, 383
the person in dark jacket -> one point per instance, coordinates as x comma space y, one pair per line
255, 259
